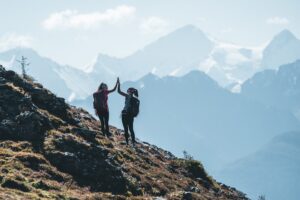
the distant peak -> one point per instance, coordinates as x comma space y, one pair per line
189, 28
285, 34
149, 76
196, 75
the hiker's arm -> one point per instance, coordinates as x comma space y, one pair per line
119, 90
114, 89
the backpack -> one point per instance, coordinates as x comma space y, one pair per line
99, 102
134, 106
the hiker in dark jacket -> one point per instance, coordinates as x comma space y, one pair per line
129, 111
101, 106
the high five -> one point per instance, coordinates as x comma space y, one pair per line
129, 112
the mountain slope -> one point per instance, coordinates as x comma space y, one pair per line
43, 69
278, 88
283, 49
200, 117
51, 150
272, 171
65, 81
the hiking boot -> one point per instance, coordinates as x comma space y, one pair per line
108, 134
103, 131
133, 143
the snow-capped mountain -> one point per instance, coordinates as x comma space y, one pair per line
179, 52
278, 88
283, 49
193, 112
188, 48
272, 171
175, 54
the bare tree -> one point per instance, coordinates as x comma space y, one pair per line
24, 65
187, 156
262, 197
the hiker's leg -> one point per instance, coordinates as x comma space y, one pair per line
125, 125
130, 124
106, 119
102, 123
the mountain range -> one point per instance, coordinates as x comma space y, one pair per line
175, 54
277, 88
195, 112
272, 171
186, 81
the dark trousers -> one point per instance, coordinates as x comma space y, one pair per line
104, 118
127, 121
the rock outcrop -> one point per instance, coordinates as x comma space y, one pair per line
51, 150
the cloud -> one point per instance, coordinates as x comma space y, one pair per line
154, 25
278, 21
73, 19
227, 30
11, 40
201, 19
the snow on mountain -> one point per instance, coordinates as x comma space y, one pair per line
231, 64
188, 48
273, 170
80, 83
176, 53
66, 81
283, 49
180, 52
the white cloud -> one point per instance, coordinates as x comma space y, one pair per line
278, 21
154, 25
227, 30
11, 40
73, 19
201, 19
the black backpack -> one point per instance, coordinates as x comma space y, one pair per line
134, 107
99, 101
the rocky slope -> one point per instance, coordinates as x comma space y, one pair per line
51, 150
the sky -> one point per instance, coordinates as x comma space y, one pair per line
74, 32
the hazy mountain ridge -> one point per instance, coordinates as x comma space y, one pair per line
197, 106
278, 88
273, 170
175, 54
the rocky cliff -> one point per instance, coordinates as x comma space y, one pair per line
51, 150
